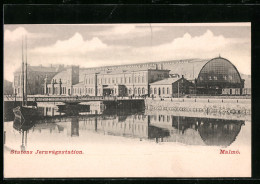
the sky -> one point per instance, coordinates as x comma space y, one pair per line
94, 45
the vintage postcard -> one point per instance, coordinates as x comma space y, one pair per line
127, 100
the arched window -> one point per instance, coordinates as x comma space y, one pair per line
155, 91
138, 79
151, 90
130, 91
143, 91
142, 79
135, 91
139, 91
163, 90
168, 90
159, 91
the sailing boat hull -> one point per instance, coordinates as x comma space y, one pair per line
25, 113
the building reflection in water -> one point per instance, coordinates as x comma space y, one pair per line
159, 128
198, 131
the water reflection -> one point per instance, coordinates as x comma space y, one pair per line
23, 127
196, 131
135, 124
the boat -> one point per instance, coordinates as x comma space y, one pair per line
23, 112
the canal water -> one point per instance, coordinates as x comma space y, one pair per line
98, 142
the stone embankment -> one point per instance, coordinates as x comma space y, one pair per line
212, 108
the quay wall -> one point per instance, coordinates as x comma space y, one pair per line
200, 108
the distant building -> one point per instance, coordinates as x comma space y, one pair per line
35, 78
8, 87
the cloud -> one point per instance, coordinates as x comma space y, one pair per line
19, 32
94, 52
206, 45
198, 46
126, 31
75, 44
11, 36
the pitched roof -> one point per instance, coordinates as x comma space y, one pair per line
38, 69
80, 84
190, 68
166, 81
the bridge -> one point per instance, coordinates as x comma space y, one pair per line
71, 99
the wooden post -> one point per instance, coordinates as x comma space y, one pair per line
178, 89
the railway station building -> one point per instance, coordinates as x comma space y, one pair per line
217, 76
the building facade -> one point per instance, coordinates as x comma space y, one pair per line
35, 78
218, 74
171, 87
62, 83
208, 77
119, 83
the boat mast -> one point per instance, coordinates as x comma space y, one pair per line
22, 75
25, 70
